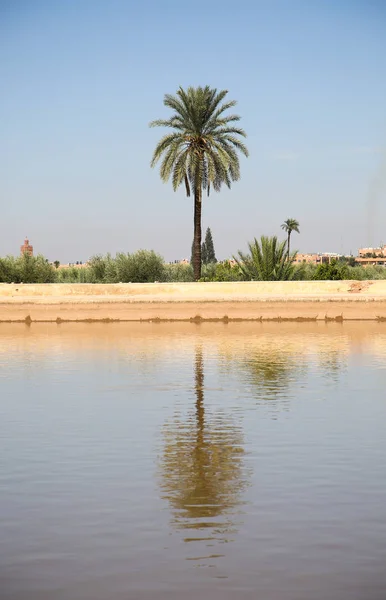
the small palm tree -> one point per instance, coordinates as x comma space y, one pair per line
202, 150
289, 226
267, 261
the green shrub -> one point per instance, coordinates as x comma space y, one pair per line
334, 271
69, 275
27, 269
223, 271
8, 270
208, 272
144, 266
304, 271
338, 270
370, 272
178, 272
97, 265
360, 273
76, 275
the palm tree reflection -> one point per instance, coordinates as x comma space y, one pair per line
202, 470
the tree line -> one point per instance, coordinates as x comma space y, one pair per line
266, 260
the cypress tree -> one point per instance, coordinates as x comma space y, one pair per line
204, 254
209, 248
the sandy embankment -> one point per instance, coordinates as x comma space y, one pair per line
300, 300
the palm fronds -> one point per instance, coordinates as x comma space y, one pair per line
267, 260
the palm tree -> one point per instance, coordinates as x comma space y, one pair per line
202, 150
267, 261
289, 226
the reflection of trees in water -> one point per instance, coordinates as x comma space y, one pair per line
276, 368
269, 365
202, 470
332, 363
272, 372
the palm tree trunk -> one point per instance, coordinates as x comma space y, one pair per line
199, 450
197, 233
199, 387
288, 244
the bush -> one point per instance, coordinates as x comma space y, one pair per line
304, 271
334, 271
97, 266
144, 266
223, 271
140, 267
69, 275
76, 275
208, 272
178, 272
360, 273
8, 270
341, 270
369, 272
27, 269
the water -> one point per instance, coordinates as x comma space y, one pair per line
182, 461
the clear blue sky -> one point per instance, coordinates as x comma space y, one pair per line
81, 79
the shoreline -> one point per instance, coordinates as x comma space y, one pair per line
156, 339
299, 301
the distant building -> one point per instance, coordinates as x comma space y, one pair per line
26, 248
316, 259
308, 258
77, 265
372, 256
376, 260
366, 256
183, 261
372, 252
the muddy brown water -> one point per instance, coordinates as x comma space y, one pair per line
191, 460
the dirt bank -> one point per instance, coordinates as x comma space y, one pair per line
280, 301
